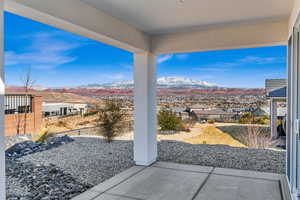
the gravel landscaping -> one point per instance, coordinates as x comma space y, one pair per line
65, 171
38, 182
223, 156
29, 147
11, 140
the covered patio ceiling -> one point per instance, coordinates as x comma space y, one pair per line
170, 16
139, 26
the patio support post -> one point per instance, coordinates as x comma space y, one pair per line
145, 123
2, 90
273, 116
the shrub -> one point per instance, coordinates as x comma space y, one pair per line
169, 121
211, 121
43, 136
249, 118
246, 118
90, 113
61, 123
110, 119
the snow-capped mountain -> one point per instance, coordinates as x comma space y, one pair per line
183, 82
163, 82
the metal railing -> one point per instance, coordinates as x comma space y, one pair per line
18, 103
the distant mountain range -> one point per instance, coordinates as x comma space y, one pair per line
166, 86
178, 86
163, 82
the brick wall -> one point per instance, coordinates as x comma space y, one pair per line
14, 123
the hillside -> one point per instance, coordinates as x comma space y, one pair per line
53, 96
52, 93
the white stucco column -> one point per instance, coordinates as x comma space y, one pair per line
273, 118
2, 90
145, 123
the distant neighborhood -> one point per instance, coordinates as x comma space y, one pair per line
190, 100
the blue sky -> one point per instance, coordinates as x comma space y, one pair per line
58, 58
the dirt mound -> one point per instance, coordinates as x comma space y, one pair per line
212, 135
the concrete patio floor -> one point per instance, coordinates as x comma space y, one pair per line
169, 181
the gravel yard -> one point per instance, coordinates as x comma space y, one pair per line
63, 172
11, 140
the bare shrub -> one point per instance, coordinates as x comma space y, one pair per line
83, 123
63, 124
110, 119
189, 123
255, 137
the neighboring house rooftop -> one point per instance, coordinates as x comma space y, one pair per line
277, 93
274, 84
276, 88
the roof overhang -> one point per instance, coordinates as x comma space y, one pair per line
221, 38
135, 25
294, 16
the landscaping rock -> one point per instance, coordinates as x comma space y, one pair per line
29, 147
57, 141
12, 140
223, 156
41, 182
23, 148
90, 160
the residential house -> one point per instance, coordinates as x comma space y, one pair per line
64, 109
215, 114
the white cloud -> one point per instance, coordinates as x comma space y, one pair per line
219, 66
212, 69
182, 56
261, 60
117, 76
112, 77
47, 51
127, 66
164, 58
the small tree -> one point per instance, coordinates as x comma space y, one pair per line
18, 123
247, 118
21, 120
169, 121
110, 119
28, 84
